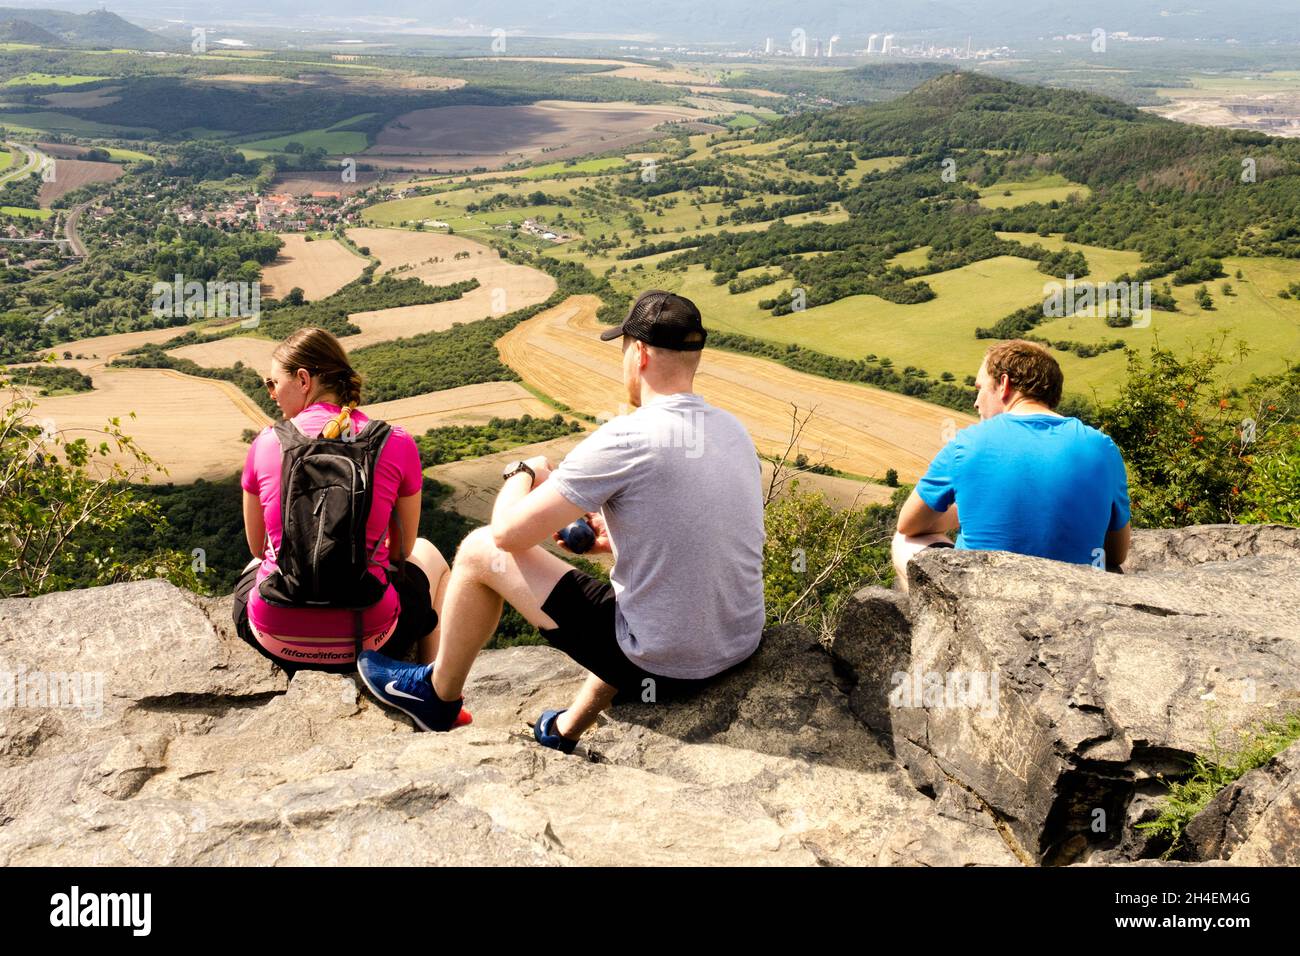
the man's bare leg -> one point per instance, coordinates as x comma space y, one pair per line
482, 578
594, 696
905, 547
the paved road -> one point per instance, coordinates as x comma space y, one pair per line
70, 228
74, 240
31, 162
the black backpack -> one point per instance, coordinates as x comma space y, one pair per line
326, 491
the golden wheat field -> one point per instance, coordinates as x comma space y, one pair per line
320, 267
190, 425
193, 425
100, 349
503, 286
466, 405
223, 353
432, 257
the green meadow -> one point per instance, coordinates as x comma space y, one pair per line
333, 139
912, 259
674, 218
1254, 313
1044, 189
127, 155
1276, 81
937, 336
26, 213
585, 166
51, 79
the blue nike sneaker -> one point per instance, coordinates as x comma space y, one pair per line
409, 688
546, 733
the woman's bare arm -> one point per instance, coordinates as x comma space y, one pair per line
408, 509
254, 524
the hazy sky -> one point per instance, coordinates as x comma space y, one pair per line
740, 21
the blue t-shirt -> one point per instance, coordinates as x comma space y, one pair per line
1037, 484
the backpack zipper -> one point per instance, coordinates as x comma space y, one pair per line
320, 533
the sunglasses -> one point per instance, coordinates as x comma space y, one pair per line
270, 382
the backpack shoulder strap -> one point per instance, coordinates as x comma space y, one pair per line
289, 434
378, 432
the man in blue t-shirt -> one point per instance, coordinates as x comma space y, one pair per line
1025, 479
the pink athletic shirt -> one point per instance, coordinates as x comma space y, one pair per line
326, 633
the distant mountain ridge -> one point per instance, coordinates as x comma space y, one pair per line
97, 28
23, 31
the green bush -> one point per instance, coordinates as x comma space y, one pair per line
51, 378
1273, 494
458, 442
1190, 445
63, 504
815, 557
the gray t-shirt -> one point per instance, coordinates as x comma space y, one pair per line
680, 487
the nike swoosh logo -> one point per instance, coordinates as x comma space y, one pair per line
390, 689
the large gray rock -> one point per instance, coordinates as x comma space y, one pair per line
1105, 683
1176, 549
202, 753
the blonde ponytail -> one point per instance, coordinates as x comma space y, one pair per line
340, 422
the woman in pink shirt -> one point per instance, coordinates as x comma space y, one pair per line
314, 385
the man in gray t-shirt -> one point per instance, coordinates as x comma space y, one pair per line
678, 485
673, 490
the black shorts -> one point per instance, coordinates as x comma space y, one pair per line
415, 619
583, 607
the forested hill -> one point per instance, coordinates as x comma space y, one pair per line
1185, 198
1158, 186
21, 31
1094, 140
971, 111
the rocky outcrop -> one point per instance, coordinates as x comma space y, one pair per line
204, 754
1105, 683
159, 737
1183, 548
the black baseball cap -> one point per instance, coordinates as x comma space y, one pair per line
664, 320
